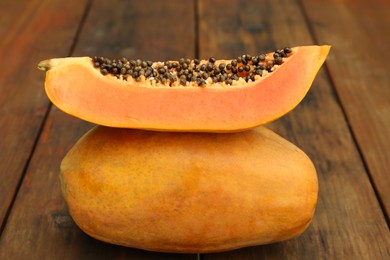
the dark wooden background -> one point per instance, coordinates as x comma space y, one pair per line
343, 124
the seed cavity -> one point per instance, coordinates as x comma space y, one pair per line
187, 72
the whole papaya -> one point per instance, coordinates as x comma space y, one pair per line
188, 192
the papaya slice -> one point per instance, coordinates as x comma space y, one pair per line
199, 102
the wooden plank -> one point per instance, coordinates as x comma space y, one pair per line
359, 70
29, 31
348, 223
39, 225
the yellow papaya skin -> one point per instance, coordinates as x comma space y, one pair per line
188, 192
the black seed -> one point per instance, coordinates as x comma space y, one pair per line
183, 81
229, 66
240, 69
123, 71
196, 61
135, 74
209, 66
181, 61
239, 59
203, 67
175, 65
276, 55
149, 63
215, 79
234, 70
163, 80
172, 78
247, 68
188, 61
234, 63
161, 70
104, 71
133, 63
261, 57
235, 77
258, 72
148, 73
108, 67
279, 52
137, 69
130, 72
244, 61
115, 70
217, 71
201, 82
185, 66
212, 60
221, 66
252, 77
248, 57
96, 64
287, 50
144, 64
269, 68
279, 60
204, 75
261, 66
255, 60
138, 62
229, 81
124, 60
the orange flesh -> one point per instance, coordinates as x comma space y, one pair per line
77, 88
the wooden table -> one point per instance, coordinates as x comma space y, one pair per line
343, 123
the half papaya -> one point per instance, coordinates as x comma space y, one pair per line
185, 95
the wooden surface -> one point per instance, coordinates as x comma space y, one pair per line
343, 124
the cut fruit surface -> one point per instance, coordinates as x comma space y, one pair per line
78, 88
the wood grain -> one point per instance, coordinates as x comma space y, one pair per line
39, 226
348, 223
358, 30
343, 117
29, 31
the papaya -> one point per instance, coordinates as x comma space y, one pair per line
188, 192
185, 95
